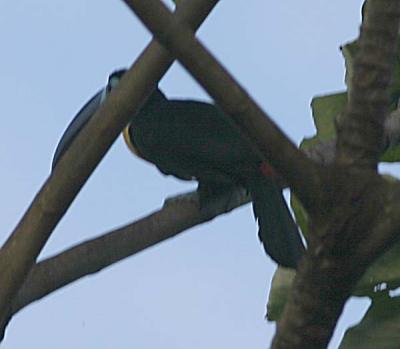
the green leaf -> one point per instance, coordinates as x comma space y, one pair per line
349, 51
380, 327
392, 154
300, 214
324, 111
280, 287
386, 269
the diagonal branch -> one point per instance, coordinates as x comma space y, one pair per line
80, 160
93, 255
360, 130
299, 171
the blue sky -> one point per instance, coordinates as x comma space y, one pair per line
206, 288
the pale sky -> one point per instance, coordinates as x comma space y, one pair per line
206, 288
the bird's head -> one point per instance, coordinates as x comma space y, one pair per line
114, 79
90, 108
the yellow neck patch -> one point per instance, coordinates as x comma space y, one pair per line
129, 143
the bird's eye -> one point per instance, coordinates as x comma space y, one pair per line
114, 79
112, 82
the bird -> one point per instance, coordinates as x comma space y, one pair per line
195, 140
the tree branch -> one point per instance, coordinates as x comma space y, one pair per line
365, 223
82, 157
298, 171
360, 130
360, 215
93, 255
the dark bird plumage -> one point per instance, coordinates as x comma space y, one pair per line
194, 140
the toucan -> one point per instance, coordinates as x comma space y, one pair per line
193, 140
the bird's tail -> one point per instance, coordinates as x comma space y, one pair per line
277, 230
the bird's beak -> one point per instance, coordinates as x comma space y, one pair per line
76, 125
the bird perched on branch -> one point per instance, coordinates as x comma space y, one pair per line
195, 140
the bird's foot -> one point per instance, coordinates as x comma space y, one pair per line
213, 205
224, 201
191, 197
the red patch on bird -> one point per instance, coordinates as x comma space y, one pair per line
267, 170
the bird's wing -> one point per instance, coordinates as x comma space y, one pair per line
190, 137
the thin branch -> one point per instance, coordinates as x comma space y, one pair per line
178, 214
360, 130
298, 171
93, 255
82, 157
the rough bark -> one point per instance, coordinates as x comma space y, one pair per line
360, 129
346, 236
358, 219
